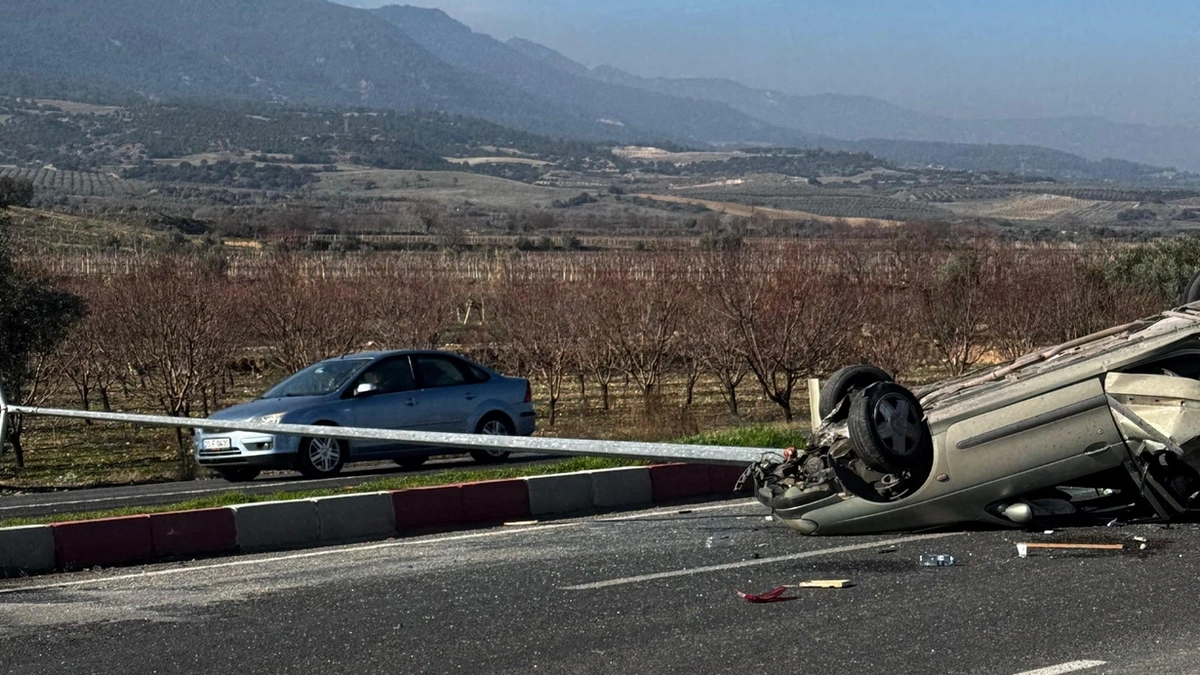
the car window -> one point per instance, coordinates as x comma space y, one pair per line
390, 375
318, 379
439, 371
475, 374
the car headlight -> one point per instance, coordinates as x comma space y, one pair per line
268, 419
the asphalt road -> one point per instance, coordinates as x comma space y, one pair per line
645, 592
96, 499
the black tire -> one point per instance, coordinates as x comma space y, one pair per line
310, 463
1191, 292
413, 462
494, 425
239, 474
887, 428
847, 381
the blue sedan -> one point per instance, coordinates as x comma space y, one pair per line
415, 390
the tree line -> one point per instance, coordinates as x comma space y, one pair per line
174, 332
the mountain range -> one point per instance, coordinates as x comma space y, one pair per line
318, 52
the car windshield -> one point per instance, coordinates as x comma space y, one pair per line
318, 379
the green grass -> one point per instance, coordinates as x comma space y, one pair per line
755, 436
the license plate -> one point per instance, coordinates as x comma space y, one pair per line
217, 444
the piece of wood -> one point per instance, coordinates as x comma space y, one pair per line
824, 583
1098, 547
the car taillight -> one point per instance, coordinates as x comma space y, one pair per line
528, 392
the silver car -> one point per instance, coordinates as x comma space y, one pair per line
414, 390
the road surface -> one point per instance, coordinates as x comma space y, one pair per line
644, 592
99, 499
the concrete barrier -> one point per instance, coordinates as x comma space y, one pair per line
107, 541
559, 493
495, 501
358, 517
26, 550
427, 507
269, 526
626, 486
722, 478
187, 533
672, 482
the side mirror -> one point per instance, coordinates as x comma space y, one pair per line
366, 389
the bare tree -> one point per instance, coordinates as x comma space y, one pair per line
299, 320
534, 319
173, 327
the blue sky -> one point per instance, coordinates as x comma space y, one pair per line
1128, 60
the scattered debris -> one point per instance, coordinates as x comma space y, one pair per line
822, 583
683, 511
1140, 539
769, 518
773, 595
1023, 547
1116, 522
1048, 532
890, 549
937, 560
718, 542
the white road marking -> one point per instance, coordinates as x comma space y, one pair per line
676, 510
281, 558
752, 563
1068, 667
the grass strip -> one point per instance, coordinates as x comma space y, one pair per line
755, 436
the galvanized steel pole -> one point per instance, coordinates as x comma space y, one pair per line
3, 419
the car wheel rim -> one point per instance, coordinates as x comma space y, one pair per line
897, 424
324, 453
494, 428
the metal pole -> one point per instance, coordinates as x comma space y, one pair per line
714, 454
3, 419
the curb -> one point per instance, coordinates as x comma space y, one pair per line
369, 516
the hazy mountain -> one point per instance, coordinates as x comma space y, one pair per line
863, 117
309, 51
667, 116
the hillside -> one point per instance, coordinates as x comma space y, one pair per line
308, 51
866, 117
665, 116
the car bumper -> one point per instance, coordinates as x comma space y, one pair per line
246, 448
526, 423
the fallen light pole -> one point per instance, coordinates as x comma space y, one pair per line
709, 454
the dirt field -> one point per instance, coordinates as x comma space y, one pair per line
743, 210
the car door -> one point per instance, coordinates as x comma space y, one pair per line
393, 405
448, 392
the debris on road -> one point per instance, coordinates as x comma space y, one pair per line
1023, 547
520, 523
890, 549
823, 583
937, 560
773, 595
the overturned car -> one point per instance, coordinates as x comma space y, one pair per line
1106, 424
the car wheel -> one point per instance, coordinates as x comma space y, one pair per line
321, 457
846, 381
492, 425
412, 462
887, 428
1191, 292
239, 475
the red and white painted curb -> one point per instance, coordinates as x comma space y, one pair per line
273, 526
